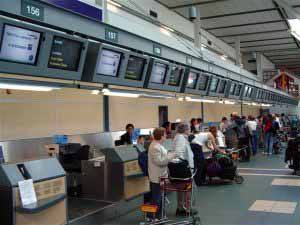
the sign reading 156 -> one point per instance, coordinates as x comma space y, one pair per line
32, 10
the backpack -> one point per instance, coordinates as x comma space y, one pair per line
213, 169
143, 162
179, 169
224, 160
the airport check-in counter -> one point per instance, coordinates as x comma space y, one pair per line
125, 179
49, 184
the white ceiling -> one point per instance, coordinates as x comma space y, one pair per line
261, 25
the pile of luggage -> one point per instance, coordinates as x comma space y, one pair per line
292, 154
223, 167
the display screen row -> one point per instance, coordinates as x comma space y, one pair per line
21, 45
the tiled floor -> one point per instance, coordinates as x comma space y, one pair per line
260, 200
286, 182
273, 206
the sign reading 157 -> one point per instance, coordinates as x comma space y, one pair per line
32, 10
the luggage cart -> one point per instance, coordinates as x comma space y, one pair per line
170, 184
234, 155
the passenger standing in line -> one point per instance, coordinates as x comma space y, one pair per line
158, 159
260, 132
167, 126
126, 139
242, 132
252, 126
199, 125
193, 125
197, 144
269, 135
183, 150
224, 125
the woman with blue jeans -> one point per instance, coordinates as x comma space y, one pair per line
252, 126
269, 135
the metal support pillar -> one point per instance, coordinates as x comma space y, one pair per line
238, 51
259, 66
202, 111
197, 30
106, 112
242, 110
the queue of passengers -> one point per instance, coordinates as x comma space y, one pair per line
188, 143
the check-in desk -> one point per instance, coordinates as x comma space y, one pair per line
125, 179
50, 186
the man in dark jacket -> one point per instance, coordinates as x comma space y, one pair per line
239, 126
126, 139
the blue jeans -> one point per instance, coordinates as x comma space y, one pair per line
254, 142
269, 141
156, 198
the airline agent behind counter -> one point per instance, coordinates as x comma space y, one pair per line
126, 139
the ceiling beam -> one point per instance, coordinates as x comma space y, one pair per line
249, 46
195, 4
257, 40
251, 33
288, 54
238, 13
282, 58
243, 25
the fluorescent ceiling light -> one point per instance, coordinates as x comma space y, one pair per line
203, 45
168, 28
95, 92
114, 3
26, 87
180, 99
108, 92
224, 57
229, 102
189, 99
164, 31
295, 27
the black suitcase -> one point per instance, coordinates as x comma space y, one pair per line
228, 172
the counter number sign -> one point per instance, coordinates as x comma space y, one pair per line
111, 35
157, 50
32, 10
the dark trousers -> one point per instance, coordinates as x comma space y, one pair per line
156, 197
244, 142
200, 166
254, 142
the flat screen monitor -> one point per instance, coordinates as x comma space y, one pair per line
175, 76
232, 88
19, 45
158, 74
246, 91
109, 63
214, 84
192, 80
135, 68
238, 90
222, 86
249, 92
65, 54
203, 81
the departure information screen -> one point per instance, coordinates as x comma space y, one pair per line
203, 82
135, 68
222, 86
109, 63
65, 54
246, 91
192, 80
232, 88
214, 84
19, 45
238, 90
175, 76
159, 72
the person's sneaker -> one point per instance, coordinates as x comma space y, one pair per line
180, 212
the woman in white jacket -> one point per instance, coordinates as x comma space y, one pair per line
183, 150
158, 159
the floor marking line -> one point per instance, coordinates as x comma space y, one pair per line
264, 169
267, 175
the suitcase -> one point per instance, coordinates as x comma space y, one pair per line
228, 172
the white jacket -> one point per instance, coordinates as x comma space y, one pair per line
183, 149
158, 160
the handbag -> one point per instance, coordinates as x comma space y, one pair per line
179, 169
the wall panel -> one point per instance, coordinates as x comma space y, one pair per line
25, 114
